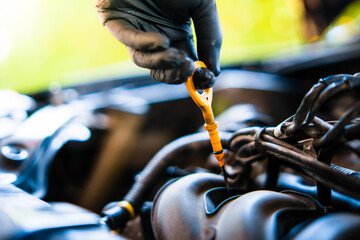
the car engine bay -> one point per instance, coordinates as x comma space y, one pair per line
129, 159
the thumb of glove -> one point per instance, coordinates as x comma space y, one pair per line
203, 78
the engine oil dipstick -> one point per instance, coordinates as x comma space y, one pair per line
203, 100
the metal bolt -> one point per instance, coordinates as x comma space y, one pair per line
14, 152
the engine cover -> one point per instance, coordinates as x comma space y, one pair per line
180, 212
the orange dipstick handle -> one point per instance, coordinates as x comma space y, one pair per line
203, 100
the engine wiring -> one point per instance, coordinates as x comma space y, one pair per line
318, 94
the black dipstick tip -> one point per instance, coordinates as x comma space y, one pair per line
225, 179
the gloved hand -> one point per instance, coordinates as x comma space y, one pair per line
159, 37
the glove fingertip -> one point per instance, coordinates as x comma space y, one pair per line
203, 78
215, 68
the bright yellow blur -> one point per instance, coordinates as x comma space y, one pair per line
42, 41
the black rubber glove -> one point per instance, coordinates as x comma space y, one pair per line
159, 37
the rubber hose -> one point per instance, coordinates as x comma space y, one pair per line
346, 171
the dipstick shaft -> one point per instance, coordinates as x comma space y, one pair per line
203, 101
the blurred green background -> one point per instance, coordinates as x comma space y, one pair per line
43, 41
